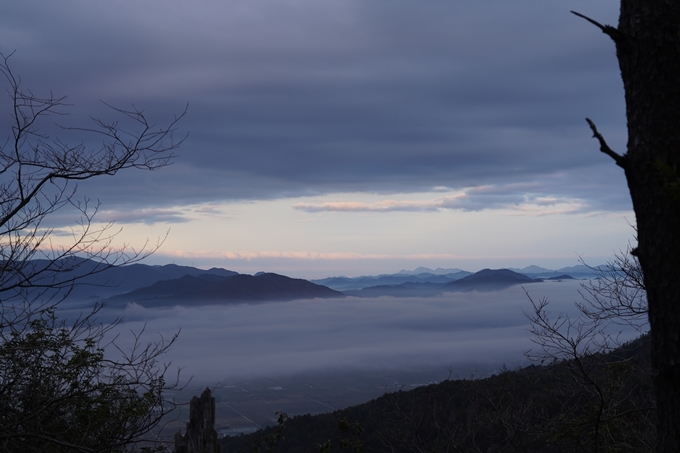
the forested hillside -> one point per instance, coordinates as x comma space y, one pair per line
601, 402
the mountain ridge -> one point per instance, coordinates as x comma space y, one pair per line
209, 289
485, 280
97, 282
490, 280
353, 284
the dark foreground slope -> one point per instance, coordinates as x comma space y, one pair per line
535, 409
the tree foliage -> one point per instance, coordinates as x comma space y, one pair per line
60, 392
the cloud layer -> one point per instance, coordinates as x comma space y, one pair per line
306, 98
511, 196
482, 330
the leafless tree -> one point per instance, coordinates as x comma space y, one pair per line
617, 293
38, 177
64, 384
603, 403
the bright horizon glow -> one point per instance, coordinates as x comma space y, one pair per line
277, 236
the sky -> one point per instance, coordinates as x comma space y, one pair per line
344, 137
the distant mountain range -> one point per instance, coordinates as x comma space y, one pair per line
578, 271
427, 270
155, 286
98, 281
424, 281
484, 280
346, 283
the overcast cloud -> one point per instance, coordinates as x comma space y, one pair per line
516, 196
312, 97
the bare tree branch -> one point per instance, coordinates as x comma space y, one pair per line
60, 388
619, 159
613, 32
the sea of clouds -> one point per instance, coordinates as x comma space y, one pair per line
460, 331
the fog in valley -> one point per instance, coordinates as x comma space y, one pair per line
462, 331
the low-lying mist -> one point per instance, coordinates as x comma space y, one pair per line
482, 330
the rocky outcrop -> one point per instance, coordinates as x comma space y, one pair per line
201, 436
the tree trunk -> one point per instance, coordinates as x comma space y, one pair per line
648, 49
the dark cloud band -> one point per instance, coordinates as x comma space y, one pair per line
290, 99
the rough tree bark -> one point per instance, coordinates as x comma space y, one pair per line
647, 43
